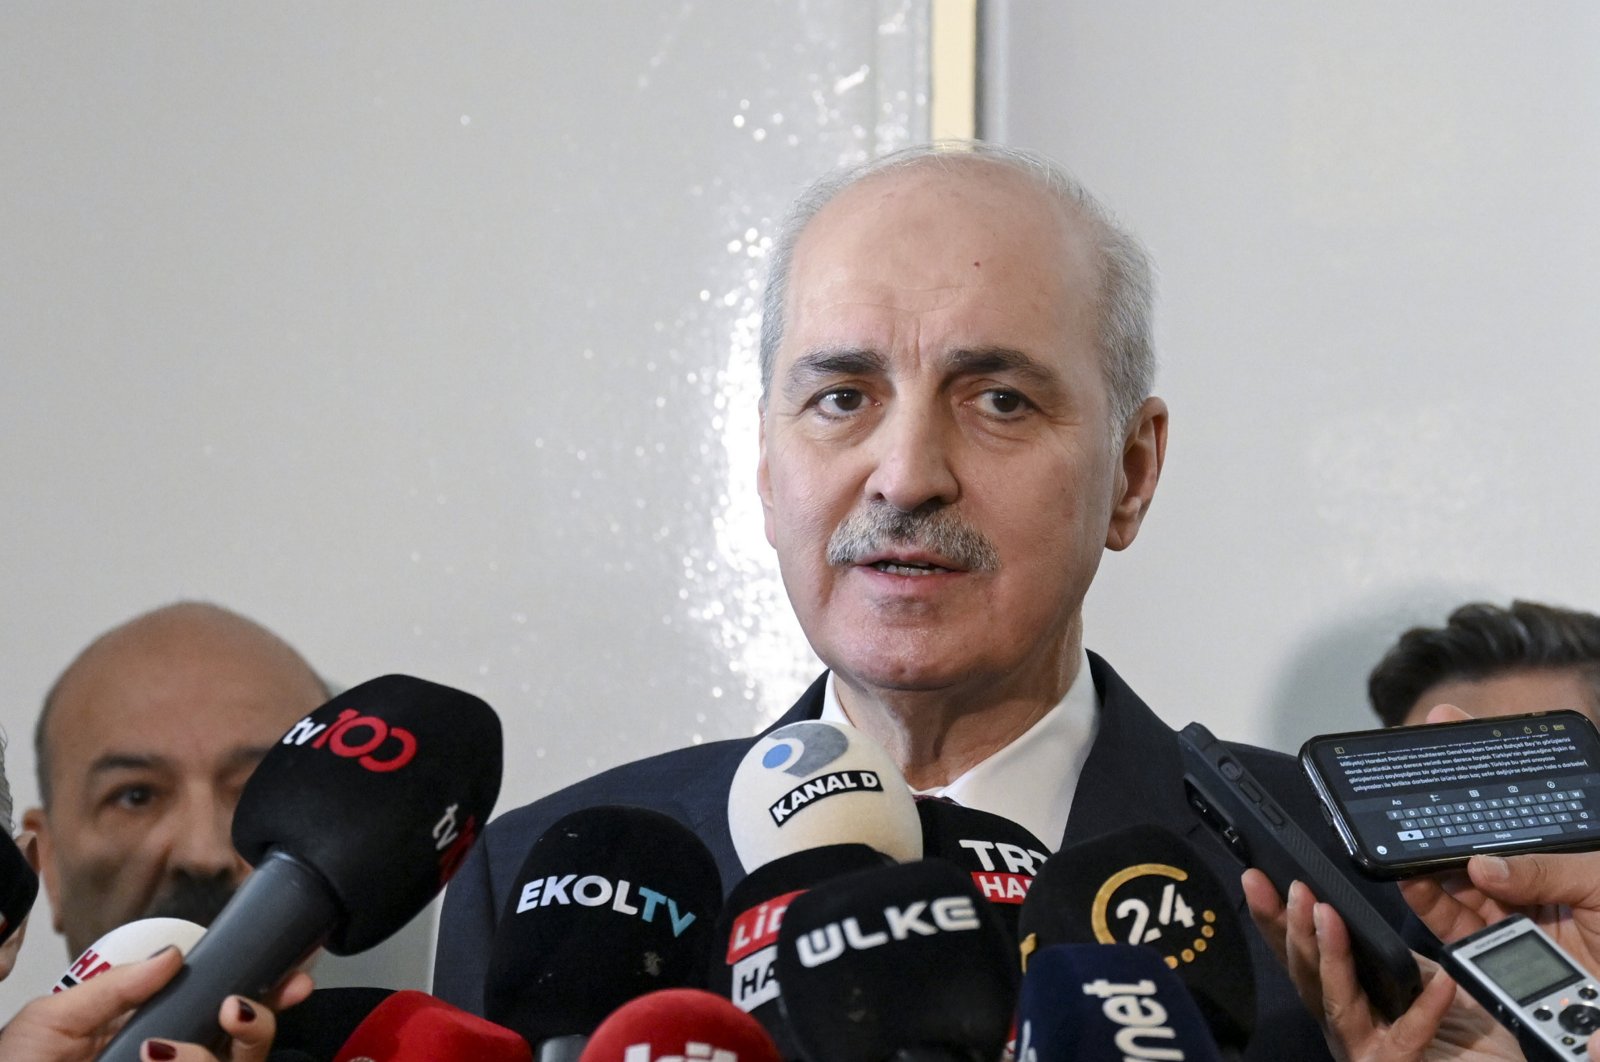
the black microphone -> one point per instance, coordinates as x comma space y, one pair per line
900, 961
1107, 1003
19, 887
1145, 885
320, 1024
1001, 856
610, 903
354, 821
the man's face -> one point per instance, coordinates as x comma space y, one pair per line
940, 360
150, 747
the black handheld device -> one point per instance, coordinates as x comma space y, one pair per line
1257, 829
1414, 799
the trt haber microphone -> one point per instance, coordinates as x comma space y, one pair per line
904, 958
811, 784
610, 903
1001, 856
19, 887
415, 1027
1107, 1003
679, 1025
747, 932
133, 942
354, 821
1145, 885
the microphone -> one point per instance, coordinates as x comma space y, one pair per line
324, 1020
353, 821
679, 1025
811, 784
1001, 856
415, 1027
750, 921
897, 962
130, 942
610, 903
1145, 885
1107, 1003
19, 887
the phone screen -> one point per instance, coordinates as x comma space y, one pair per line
1414, 797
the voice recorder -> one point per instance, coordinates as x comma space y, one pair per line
1409, 800
1536, 989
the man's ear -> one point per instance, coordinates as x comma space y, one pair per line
41, 855
1144, 450
763, 477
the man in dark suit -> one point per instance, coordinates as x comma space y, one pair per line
956, 423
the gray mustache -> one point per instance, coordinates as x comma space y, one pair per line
875, 529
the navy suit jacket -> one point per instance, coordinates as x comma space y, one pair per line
1133, 775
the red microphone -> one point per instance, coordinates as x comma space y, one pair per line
680, 1025
415, 1027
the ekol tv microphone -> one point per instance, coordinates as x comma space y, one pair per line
681, 1024
1145, 885
610, 903
354, 821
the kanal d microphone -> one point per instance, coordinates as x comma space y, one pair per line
132, 942
1147, 886
1107, 1003
898, 959
19, 887
1001, 856
610, 903
354, 821
811, 784
679, 1024
415, 1027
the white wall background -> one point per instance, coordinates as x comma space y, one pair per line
424, 334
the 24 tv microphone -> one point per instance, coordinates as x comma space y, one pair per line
19, 887
1001, 856
1107, 1003
610, 903
901, 962
1145, 885
415, 1027
132, 942
679, 1025
354, 821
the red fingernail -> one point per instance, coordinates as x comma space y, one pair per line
157, 1051
246, 1011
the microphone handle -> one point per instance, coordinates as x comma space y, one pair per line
280, 915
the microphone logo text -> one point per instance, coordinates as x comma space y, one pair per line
923, 918
592, 890
366, 739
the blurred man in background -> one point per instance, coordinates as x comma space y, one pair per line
143, 746
1489, 660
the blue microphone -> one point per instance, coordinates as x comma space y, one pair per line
1107, 1003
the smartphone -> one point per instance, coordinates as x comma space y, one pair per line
1414, 799
1262, 835
1536, 989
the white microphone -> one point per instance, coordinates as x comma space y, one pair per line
133, 942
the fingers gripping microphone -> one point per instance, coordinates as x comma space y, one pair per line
415, 1027
1107, 1003
611, 903
19, 887
679, 1025
1145, 885
812, 784
132, 942
354, 821
1001, 856
898, 962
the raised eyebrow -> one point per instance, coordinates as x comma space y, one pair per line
816, 365
986, 360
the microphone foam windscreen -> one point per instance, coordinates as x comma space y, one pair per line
382, 791
19, 887
1107, 1003
1145, 885
903, 956
745, 969
131, 942
321, 1023
1001, 856
611, 903
679, 1023
811, 784
415, 1027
